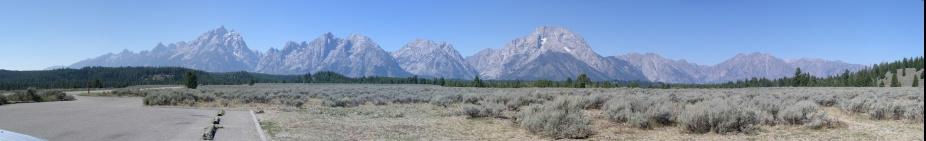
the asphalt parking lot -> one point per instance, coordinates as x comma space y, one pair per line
121, 119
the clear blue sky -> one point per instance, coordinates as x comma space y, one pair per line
35, 34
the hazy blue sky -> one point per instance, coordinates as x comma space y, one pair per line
35, 34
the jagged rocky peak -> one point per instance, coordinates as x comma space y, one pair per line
552, 38
556, 52
548, 52
354, 56
433, 59
361, 41
754, 55
217, 50
555, 33
424, 45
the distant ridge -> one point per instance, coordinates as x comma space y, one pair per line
547, 53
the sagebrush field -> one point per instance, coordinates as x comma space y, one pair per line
424, 112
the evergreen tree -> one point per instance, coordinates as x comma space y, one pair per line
569, 83
97, 83
307, 78
543, 83
190, 80
583, 81
442, 82
251, 82
916, 82
798, 81
634, 84
478, 82
894, 82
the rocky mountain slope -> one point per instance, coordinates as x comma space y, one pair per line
740, 67
548, 53
433, 59
218, 50
354, 56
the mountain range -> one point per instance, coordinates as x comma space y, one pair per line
549, 53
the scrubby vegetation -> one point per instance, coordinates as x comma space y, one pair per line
124, 92
886, 106
32, 95
721, 116
3, 100
568, 113
177, 98
560, 118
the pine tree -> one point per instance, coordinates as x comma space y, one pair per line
583, 81
307, 78
191, 81
894, 82
442, 82
798, 78
251, 82
477, 82
634, 84
916, 82
97, 83
569, 83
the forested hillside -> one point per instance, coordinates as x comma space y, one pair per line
867, 77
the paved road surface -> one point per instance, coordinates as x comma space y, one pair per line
120, 119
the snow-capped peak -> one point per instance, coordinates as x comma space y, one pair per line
543, 41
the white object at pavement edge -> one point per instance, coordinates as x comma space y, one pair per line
13, 136
260, 132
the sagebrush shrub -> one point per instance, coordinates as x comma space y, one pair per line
126, 92
820, 120
720, 116
915, 112
881, 110
446, 100
860, 104
644, 113
29, 95
55, 96
800, 113
341, 102
176, 98
32, 95
3, 99
295, 102
519, 101
825, 100
558, 119
619, 110
485, 110
596, 101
